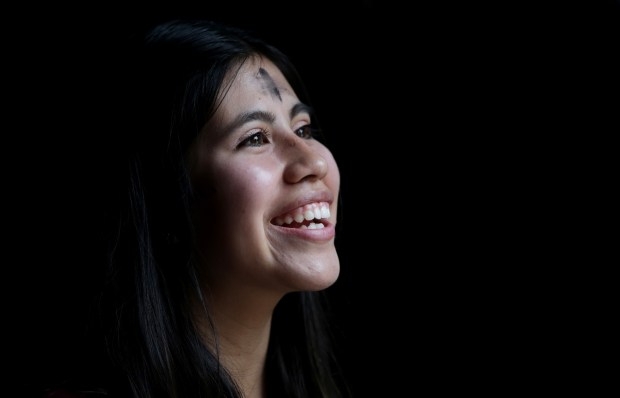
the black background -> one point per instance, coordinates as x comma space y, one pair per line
443, 119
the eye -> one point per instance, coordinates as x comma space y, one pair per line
255, 140
306, 132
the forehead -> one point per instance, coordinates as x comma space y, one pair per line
258, 76
256, 85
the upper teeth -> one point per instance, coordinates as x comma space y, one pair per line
318, 210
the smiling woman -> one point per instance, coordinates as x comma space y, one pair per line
267, 167
224, 241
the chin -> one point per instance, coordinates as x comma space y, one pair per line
318, 277
329, 278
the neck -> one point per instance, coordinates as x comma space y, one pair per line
243, 351
240, 335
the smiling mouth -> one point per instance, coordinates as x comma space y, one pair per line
305, 217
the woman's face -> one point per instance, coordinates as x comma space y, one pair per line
267, 190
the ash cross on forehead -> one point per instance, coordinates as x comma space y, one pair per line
269, 84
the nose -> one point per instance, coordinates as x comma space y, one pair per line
304, 161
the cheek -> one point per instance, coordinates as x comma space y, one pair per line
244, 187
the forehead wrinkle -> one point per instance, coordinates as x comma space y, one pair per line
268, 83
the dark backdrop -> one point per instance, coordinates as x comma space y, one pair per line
442, 118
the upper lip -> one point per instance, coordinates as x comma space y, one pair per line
307, 198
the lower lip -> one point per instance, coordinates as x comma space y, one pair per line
319, 235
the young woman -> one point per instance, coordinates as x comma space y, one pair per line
225, 237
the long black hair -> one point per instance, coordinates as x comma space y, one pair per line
167, 91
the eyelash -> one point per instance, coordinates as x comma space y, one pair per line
306, 131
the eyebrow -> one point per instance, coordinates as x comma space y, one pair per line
300, 107
247, 117
264, 116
